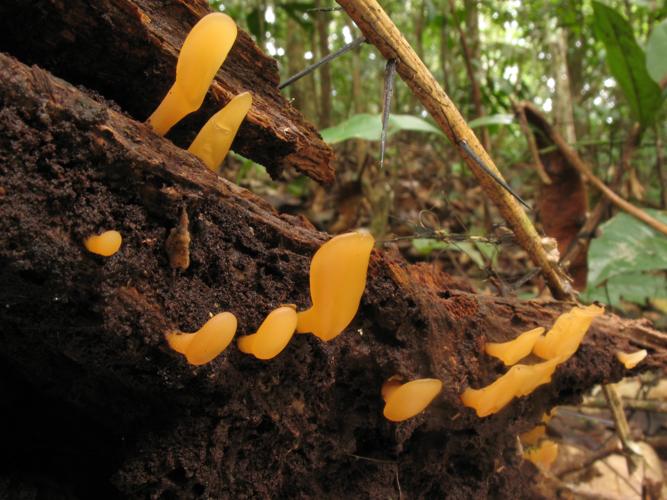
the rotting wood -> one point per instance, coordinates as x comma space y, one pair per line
379, 30
127, 51
69, 164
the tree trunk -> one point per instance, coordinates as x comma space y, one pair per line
322, 25
96, 404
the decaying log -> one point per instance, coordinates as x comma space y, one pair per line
127, 51
94, 395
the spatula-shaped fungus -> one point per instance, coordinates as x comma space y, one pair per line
514, 350
208, 342
543, 455
520, 380
337, 282
203, 52
563, 340
407, 400
105, 244
215, 138
273, 334
631, 359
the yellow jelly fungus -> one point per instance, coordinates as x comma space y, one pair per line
105, 244
514, 350
215, 138
520, 380
208, 342
203, 52
390, 386
273, 334
534, 435
632, 359
544, 455
408, 400
563, 340
337, 281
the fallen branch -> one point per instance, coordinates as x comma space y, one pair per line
379, 30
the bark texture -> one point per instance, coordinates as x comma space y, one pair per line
97, 405
127, 51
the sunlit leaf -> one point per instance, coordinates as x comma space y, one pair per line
656, 52
627, 62
638, 288
485, 121
369, 127
626, 246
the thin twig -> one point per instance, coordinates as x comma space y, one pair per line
584, 169
378, 28
389, 76
352, 45
532, 145
621, 423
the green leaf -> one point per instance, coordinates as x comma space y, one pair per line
638, 288
626, 245
627, 63
369, 127
485, 121
656, 52
411, 123
362, 126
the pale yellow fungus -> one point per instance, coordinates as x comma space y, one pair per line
203, 52
215, 138
408, 400
208, 342
514, 350
273, 334
631, 359
543, 455
533, 436
105, 244
337, 281
563, 340
520, 380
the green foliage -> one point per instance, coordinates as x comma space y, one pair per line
627, 63
622, 257
656, 52
476, 251
369, 127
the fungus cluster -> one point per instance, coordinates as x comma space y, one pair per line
556, 347
203, 52
331, 313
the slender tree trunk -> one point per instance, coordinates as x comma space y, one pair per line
563, 102
322, 25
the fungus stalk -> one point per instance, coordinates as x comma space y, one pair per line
403, 401
203, 52
337, 281
273, 334
105, 244
215, 138
208, 342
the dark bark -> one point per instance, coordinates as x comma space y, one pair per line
92, 392
127, 51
